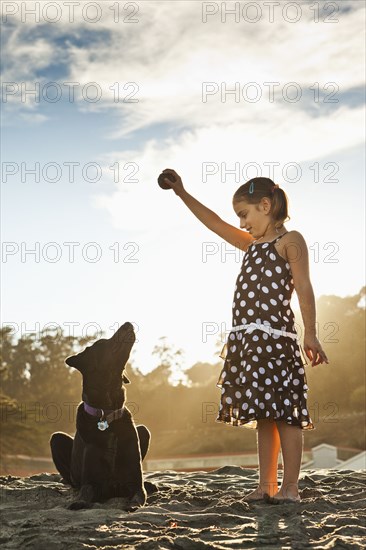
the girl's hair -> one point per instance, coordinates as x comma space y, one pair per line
256, 188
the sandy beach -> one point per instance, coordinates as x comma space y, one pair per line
191, 511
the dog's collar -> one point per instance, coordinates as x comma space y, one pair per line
105, 416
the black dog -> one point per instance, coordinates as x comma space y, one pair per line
104, 459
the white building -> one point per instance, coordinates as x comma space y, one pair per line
326, 456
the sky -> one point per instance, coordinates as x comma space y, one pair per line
97, 102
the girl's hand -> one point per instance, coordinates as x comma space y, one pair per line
176, 185
314, 351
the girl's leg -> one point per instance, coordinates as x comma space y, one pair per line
292, 445
268, 441
268, 449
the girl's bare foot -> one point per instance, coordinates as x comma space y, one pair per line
257, 494
254, 495
290, 496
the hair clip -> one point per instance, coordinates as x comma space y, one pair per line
251, 188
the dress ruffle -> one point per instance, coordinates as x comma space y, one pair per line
263, 377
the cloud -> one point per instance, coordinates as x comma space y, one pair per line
170, 67
169, 54
282, 140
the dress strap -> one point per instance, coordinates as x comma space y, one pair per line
279, 237
270, 242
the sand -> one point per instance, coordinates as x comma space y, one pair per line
192, 511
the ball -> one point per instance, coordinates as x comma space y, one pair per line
161, 181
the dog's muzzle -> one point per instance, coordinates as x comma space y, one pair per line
105, 417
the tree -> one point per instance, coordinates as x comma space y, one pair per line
169, 368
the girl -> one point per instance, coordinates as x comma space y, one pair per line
263, 381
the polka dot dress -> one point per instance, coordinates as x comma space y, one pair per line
263, 375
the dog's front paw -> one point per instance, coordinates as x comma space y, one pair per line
79, 505
150, 487
136, 501
84, 499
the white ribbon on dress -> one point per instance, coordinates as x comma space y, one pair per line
266, 328
250, 327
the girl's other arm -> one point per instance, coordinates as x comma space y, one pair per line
298, 258
210, 219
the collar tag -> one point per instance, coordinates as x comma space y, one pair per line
103, 425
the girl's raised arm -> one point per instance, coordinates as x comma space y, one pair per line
210, 219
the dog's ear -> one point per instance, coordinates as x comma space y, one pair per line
74, 361
125, 380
